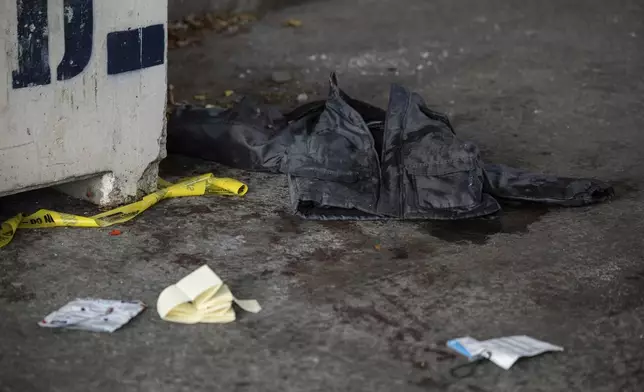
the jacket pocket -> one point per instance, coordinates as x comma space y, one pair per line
327, 155
450, 178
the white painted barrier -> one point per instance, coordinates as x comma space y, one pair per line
82, 96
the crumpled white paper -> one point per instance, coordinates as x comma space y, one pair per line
502, 351
97, 315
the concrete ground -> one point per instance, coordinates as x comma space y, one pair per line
549, 85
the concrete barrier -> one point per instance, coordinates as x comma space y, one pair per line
82, 96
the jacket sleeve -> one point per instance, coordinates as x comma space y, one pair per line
246, 136
504, 182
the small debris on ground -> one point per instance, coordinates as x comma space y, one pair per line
275, 96
194, 22
182, 43
281, 76
189, 30
302, 98
115, 232
504, 352
293, 23
200, 97
228, 93
96, 315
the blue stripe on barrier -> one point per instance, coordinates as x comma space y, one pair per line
79, 35
33, 45
135, 49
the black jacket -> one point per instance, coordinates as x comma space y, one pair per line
346, 159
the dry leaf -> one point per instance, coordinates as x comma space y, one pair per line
188, 41
193, 22
171, 100
293, 23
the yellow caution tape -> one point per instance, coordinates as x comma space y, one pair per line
8, 229
205, 184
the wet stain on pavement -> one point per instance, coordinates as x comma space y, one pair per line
624, 188
429, 278
399, 253
431, 384
288, 223
14, 291
12, 288
326, 255
188, 259
187, 210
620, 295
511, 219
250, 216
403, 332
368, 314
